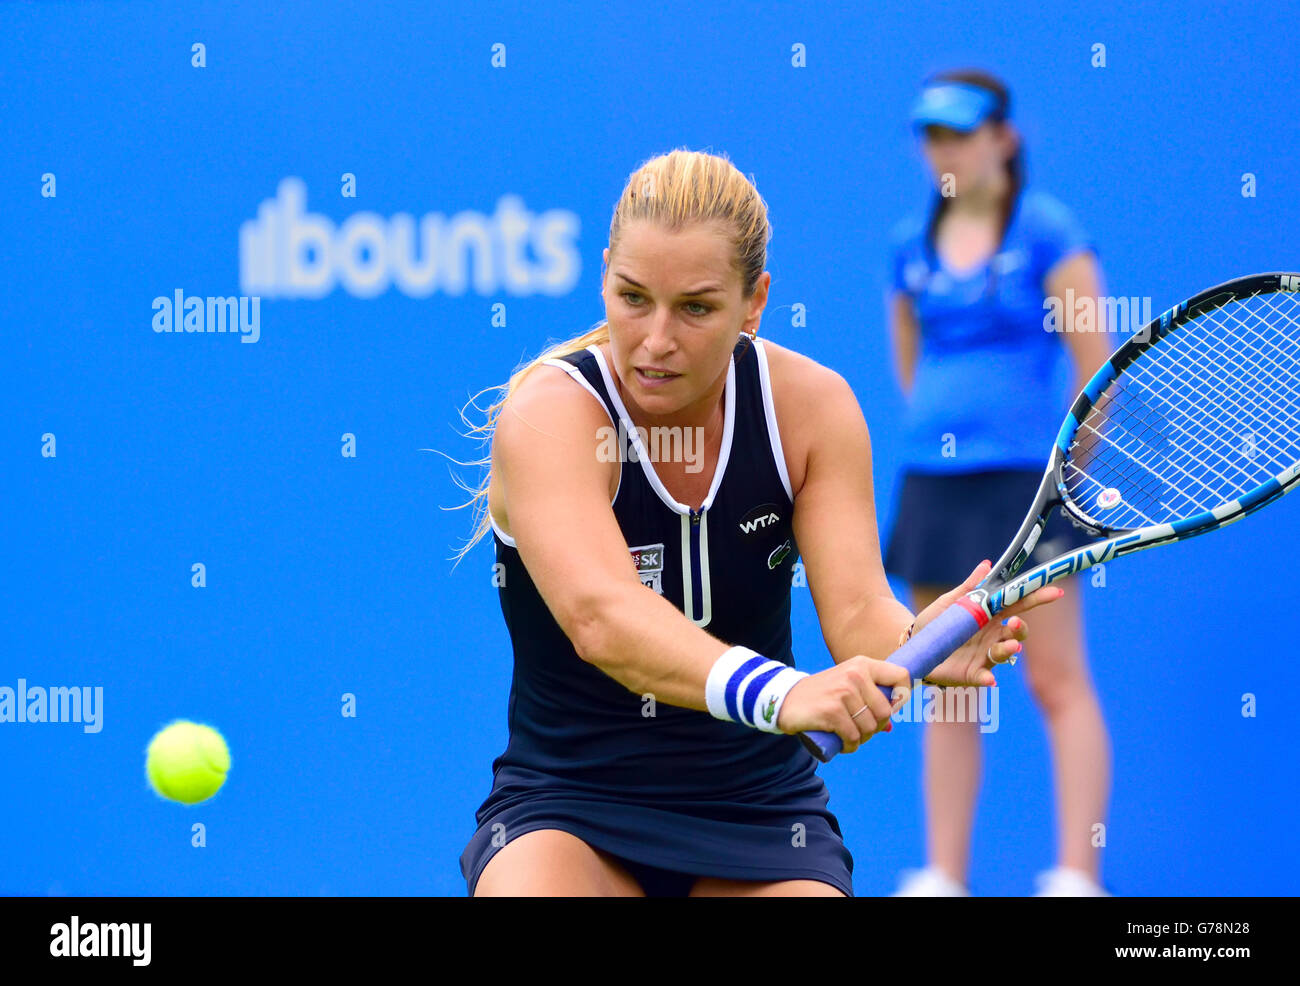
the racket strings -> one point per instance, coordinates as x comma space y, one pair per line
1147, 481
1265, 380
1280, 403
1151, 437
1224, 396
1239, 401
1199, 418
1258, 384
1249, 407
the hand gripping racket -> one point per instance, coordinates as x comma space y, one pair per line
1191, 425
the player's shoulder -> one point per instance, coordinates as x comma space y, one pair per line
547, 396
543, 383
816, 409
802, 384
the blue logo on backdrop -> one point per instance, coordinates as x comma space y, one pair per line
287, 252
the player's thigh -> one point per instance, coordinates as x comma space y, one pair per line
548, 863
709, 886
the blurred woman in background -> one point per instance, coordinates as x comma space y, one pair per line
967, 313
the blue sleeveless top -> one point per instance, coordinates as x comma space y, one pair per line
727, 567
989, 373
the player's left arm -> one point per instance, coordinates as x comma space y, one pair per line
824, 432
1080, 273
828, 455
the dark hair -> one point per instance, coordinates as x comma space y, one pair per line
1015, 164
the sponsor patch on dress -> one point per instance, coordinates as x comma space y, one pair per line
649, 562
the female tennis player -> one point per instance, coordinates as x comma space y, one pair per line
647, 595
970, 280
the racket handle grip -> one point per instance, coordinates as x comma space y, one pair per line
934, 643
823, 746
929, 648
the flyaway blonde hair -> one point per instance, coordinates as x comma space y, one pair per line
673, 190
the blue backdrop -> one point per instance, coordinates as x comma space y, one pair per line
328, 575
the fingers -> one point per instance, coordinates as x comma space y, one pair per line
867, 675
984, 679
968, 666
893, 676
1003, 651
847, 700
1003, 641
1047, 594
1013, 628
846, 728
976, 576
821, 701
870, 710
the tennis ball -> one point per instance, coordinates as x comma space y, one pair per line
187, 762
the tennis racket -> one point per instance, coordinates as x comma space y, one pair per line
1192, 424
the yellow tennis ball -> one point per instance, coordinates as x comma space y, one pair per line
187, 762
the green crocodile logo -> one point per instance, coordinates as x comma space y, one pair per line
771, 708
778, 555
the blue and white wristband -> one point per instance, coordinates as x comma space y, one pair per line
745, 687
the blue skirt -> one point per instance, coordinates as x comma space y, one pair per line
779, 834
947, 523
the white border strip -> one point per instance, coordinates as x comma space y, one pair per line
706, 591
769, 411
576, 374
506, 538
724, 453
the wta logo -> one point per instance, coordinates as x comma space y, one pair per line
287, 252
759, 519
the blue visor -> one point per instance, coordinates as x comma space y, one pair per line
953, 104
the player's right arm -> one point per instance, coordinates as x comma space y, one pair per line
554, 499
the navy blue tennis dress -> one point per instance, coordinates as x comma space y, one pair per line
674, 793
